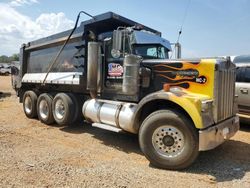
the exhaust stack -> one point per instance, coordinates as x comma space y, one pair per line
130, 84
177, 50
92, 63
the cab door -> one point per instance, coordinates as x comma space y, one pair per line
113, 69
243, 89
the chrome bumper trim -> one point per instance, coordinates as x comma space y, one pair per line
213, 136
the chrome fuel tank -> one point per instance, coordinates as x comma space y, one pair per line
117, 114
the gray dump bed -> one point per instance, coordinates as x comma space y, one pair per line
70, 68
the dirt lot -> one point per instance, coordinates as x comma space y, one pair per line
36, 155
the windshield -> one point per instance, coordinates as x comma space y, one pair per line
151, 51
242, 59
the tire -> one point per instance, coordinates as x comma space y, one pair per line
63, 109
44, 109
169, 140
29, 104
77, 107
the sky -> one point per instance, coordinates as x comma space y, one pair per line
210, 27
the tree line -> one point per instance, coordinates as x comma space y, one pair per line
9, 59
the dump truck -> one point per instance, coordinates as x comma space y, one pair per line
116, 74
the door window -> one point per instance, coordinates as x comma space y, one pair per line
243, 74
247, 75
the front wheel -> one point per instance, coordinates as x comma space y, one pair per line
169, 140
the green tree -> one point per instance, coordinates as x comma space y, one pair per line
14, 57
6, 59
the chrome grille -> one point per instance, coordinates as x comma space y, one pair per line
224, 96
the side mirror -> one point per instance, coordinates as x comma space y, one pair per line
117, 44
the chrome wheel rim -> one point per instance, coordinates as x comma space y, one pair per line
59, 109
28, 105
168, 141
44, 109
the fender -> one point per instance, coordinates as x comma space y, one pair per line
189, 104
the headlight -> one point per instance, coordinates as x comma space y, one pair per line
206, 105
207, 113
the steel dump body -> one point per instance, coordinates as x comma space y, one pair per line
36, 56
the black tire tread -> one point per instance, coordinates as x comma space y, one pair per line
33, 97
77, 107
149, 151
49, 99
70, 110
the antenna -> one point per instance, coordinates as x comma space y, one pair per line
180, 30
183, 21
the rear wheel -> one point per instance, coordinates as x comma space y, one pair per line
77, 102
169, 140
29, 104
44, 109
63, 109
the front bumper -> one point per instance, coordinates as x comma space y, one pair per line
211, 137
244, 118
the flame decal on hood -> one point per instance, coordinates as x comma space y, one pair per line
179, 74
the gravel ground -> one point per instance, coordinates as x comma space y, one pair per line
36, 155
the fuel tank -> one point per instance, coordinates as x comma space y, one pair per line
117, 114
